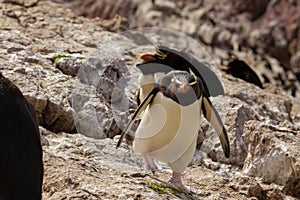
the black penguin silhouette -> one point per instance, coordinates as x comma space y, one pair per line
21, 166
240, 69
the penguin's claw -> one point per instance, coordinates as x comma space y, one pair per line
150, 164
177, 182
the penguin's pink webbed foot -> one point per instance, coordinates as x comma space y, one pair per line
150, 164
176, 181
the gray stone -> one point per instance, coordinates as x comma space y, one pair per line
263, 125
273, 152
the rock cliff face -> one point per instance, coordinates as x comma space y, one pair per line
76, 71
259, 28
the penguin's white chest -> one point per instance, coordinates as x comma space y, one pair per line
167, 130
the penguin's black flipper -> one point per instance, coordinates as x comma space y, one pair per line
211, 80
147, 101
137, 97
213, 117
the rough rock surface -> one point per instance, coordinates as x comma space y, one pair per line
265, 28
75, 71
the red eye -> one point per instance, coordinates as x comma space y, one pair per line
195, 87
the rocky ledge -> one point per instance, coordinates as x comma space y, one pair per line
70, 73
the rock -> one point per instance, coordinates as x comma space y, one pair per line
248, 187
92, 91
49, 107
91, 168
69, 66
274, 107
91, 8
269, 142
235, 115
90, 116
233, 25
28, 3
286, 28
88, 74
267, 148
295, 63
275, 194
273, 153
292, 184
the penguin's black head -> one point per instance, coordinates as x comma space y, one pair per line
164, 60
182, 87
158, 62
167, 56
161, 55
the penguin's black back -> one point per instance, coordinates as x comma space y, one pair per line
21, 166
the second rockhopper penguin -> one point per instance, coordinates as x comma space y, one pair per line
171, 120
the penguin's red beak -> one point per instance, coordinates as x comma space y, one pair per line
148, 57
224, 68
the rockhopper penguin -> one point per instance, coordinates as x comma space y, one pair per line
170, 123
240, 69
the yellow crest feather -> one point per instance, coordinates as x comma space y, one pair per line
160, 54
194, 82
